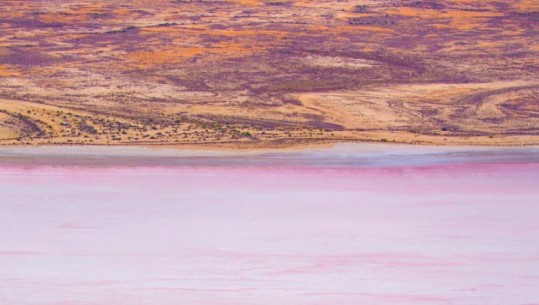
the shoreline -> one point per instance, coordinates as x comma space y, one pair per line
287, 145
299, 143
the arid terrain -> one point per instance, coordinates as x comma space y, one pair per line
265, 73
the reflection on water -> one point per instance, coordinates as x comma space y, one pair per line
346, 155
377, 225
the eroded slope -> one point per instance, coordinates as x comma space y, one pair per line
269, 72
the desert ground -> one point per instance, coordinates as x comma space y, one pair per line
269, 73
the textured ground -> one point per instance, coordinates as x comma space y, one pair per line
269, 72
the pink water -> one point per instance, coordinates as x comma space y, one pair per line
457, 230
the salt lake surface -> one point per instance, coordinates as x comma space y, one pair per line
347, 225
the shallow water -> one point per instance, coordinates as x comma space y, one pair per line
354, 224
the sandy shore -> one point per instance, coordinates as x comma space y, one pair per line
382, 137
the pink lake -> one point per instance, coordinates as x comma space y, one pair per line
348, 225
